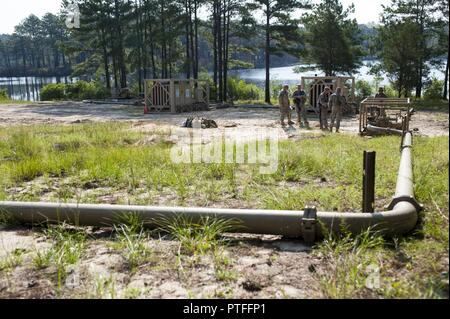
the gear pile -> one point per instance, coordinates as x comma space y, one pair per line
197, 122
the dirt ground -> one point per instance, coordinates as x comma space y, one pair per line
428, 123
265, 266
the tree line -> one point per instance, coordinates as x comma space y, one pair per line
37, 44
123, 40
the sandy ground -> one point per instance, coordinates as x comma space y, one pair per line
231, 119
265, 266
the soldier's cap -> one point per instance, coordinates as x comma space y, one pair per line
285, 84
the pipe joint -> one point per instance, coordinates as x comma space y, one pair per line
309, 222
408, 199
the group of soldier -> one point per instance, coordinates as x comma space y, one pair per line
327, 101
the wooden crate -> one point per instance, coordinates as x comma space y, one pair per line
397, 107
172, 95
315, 85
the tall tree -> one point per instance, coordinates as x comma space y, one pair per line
398, 52
333, 39
281, 30
443, 31
423, 13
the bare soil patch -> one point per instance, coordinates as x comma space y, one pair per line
429, 123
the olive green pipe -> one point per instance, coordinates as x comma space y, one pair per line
401, 216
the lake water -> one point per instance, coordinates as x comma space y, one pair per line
286, 74
28, 88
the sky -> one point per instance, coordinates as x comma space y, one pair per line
14, 11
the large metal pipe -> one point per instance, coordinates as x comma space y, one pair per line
399, 219
383, 130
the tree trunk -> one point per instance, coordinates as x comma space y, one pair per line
220, 49
419, 79
215, 47
444, 95
226, 22
139, 45
188, 51
267, 56
191, 36
196, 38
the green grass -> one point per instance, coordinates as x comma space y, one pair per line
68, 247
197, 237
11, 260
89, 161
438, 105
130, 241
9, 101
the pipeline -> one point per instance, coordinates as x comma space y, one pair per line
399, 218
383, 130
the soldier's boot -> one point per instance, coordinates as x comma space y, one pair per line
290, 120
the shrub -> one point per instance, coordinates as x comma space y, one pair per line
390, 91
80, 90
363, 89
240, 90
54, 91
83, 90
433, 91
276, 87
204, 76
4, 94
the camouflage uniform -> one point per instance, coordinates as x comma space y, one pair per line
299, 97
336, 103
283, 100
323, 110
380, 96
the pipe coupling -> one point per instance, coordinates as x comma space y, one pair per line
409, 199
309, 222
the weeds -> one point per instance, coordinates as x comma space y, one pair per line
350, 261
131, 243
67, 249
42, 259
197, 237
325, 172
104, 288
12, 260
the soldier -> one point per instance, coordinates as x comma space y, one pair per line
380, 94
299, 97
336, 104
283, 100
323, 108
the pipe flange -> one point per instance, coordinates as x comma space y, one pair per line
309, 222
409, 199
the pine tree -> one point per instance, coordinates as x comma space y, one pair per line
281, 30
423, 13
333, 40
